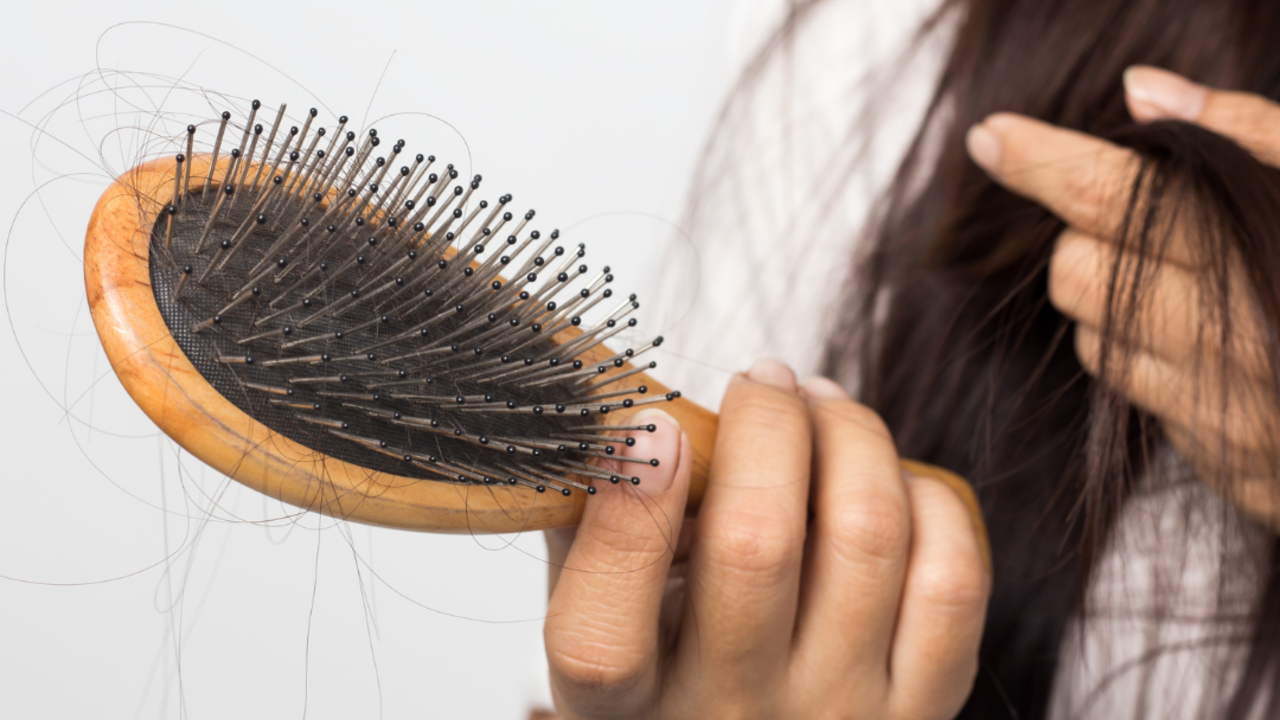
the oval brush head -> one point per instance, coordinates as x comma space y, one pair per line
342, 327
329, 320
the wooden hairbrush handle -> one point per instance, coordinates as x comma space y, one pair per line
173, 393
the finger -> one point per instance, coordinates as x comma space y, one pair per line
935, 647
859, 539
960, 487
1251, 120
559, 540
1246, 479
1216, 463
1171, 318
1204, 400
1080, 178
744, 567
602, 620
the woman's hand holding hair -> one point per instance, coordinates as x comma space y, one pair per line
817, 581
1174, 357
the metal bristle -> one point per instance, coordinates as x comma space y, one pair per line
371, 309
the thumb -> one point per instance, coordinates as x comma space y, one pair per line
602, 620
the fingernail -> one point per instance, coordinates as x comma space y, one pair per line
771, 372
820, 388
1163, 93
662, 445
984, 147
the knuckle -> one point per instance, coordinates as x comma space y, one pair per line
764, 407
1249, 429
1083, 191
1096, 187
1069, 275
590, 670
1063, 286
622, 546
753, 546
856, 415
957, 582
1088, 350
876, 526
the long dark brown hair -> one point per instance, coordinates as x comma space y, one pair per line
946, 329
974, 370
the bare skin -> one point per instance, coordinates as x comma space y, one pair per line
816, 582
1082, 180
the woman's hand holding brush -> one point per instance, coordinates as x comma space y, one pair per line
815, 578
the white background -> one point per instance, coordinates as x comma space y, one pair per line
136, 583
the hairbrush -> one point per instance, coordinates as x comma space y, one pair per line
343, 327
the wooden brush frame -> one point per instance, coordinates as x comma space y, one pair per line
169, 389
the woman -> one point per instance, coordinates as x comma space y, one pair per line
1068, 295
